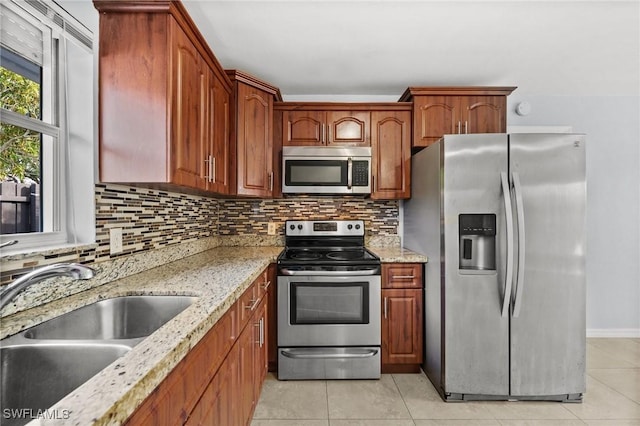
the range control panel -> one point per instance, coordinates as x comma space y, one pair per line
324, 227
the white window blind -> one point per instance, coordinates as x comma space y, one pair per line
21, 36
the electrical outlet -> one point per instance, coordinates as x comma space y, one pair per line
271, 228
115, 240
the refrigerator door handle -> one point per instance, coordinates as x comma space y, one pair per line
519, 285
506, 195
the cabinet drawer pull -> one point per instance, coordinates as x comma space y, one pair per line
385, 307
402, 277
266, 285
252, 304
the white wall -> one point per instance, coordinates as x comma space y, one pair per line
612, 126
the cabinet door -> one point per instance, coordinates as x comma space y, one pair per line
189, 108
391, 148
303, 128
219, 403
272, 325
349, 128
261, 356
246, 354
254, 135
484, 114
402, 326
217, 158
433, 117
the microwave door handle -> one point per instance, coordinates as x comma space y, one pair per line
349, 173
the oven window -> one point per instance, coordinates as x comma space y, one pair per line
315, 172
330, 303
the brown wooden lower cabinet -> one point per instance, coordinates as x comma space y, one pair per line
402, 327
402, 317
219, 380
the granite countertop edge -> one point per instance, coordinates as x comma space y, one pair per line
398, 255
218, 277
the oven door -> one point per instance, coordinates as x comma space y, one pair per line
329, 310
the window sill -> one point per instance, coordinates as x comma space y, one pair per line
26, 258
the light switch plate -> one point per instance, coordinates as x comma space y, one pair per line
115, 240
271, 228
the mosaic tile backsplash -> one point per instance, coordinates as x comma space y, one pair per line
153, 219
251, 217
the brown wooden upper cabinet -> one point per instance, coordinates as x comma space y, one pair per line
164, 99
391, 154
252, 135
439, 111
352, 128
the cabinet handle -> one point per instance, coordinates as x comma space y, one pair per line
402, 277
266, 285
207, 175
385, 307
270, 181
213, 169
252, 304
458, 127
262, 332
260, 325
324, 134
466, 129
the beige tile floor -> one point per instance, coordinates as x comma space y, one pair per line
612, 399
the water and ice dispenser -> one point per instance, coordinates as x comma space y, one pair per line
477, 234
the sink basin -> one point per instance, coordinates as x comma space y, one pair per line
127, 317
36, 376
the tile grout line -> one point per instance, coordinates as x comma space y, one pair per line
613, 390
393, 377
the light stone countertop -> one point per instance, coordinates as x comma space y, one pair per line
217, 277
398, 255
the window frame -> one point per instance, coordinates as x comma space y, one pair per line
58, 210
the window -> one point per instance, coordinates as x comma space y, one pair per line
46, 112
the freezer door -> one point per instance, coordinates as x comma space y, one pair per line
548, 319
475, 333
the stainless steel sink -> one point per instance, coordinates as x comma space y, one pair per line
46, 362
36, 376
127, 317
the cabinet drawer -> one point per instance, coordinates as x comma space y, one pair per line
402, 275
248, 302
262, 283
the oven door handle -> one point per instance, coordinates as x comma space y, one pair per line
306, 354
287, 271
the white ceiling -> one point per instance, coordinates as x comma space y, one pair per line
366, 47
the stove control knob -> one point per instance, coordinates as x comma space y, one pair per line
300, 227
349, 226
292, 227
357, 226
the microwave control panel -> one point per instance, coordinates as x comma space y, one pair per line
360, 173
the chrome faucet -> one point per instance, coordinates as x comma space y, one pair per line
73, 270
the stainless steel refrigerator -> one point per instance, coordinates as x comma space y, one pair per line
502, 220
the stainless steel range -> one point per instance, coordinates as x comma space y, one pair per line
328, 303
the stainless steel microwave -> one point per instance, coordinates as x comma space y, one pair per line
326, 170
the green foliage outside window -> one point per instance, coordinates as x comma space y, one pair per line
19, 147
